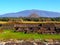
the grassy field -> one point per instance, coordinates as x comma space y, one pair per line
8, 34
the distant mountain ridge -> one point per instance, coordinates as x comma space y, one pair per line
26, 13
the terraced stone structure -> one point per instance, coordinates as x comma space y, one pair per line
38, 27
48, 27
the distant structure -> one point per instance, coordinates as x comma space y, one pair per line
34, 15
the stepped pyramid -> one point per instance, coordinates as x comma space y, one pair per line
34, 15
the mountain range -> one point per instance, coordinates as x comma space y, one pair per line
26, 13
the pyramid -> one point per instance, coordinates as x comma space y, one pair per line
34, 15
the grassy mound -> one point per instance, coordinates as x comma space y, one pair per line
9, 34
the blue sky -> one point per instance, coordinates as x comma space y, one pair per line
8, 6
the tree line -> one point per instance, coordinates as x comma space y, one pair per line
29, 19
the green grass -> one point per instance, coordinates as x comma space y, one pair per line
9, 34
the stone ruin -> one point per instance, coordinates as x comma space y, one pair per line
31, 42
49, 28
33, 27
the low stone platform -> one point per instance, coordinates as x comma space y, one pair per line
31, 42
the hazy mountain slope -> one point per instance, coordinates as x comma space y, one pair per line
29, 12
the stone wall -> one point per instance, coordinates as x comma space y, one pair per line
39, 28
34, 28
31, 42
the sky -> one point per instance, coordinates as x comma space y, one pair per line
8, 6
